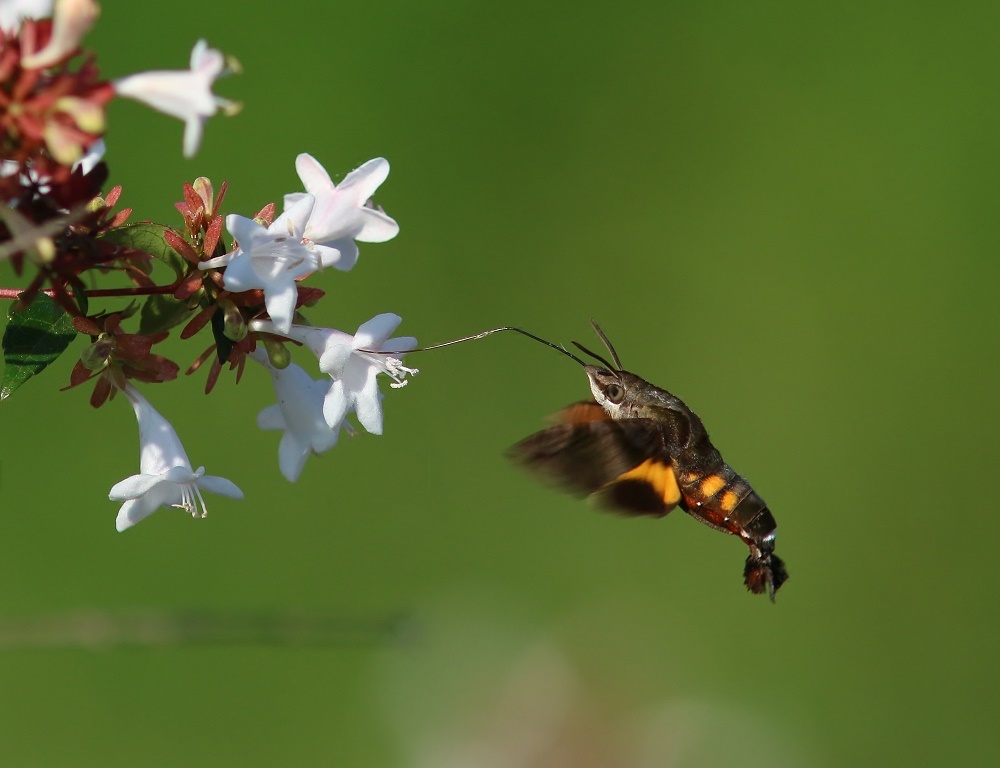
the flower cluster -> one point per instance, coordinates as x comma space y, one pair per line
60, 231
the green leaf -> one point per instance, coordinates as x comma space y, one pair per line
148, 238
223, 345
34, 337
161, 312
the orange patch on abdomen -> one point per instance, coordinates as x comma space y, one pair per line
711, 485
729, 501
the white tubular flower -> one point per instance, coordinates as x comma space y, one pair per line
70, 22
269, 258
165, 476
185, 94
93, 155
27, 236
299, 414
13, 12
342, 214
353, 371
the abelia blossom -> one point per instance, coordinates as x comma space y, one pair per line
342, 213
165, 476
298, 414
270, 259
353, 362
72, 19
13, 12
185, 94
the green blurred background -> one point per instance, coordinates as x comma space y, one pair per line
783, 212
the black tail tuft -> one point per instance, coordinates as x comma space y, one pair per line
764, 574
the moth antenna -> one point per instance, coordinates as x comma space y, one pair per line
594, 355
483, 335
611, 349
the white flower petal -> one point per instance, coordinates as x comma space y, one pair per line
220, 486
335, 357
365, 179
271, 418
292, 455
134, 511
339, 254
203, 57
244, 230
295, 217
173, 93
12, 12
336, 404
160, 448
375, 226
217, 261
193, 129
71, 21
133, 487
312, 175
282, 264
239, 275
93, 155
372, 333
280, 302
399, 344
368, 401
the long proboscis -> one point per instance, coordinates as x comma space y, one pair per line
498, 330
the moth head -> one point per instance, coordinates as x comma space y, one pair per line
609, 383
610, 389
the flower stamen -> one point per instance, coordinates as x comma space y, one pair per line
398, 372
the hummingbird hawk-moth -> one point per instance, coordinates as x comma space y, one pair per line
640, 451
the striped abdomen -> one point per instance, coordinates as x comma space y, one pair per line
724, 500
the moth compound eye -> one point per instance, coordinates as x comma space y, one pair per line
615, 393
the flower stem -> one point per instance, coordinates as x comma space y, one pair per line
94, 293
